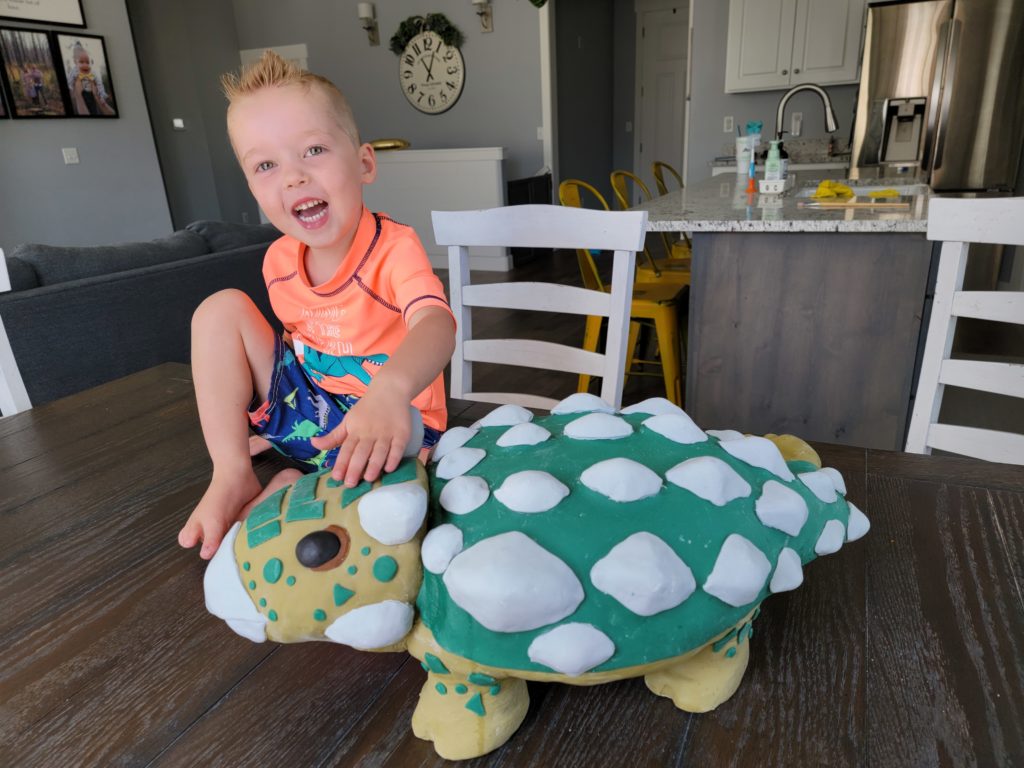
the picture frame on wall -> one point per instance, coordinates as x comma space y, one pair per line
86, 75
29, 70
66, 13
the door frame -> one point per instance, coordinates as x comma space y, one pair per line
640, 6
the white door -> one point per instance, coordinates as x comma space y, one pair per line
661, 53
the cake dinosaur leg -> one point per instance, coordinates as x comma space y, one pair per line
469, 717
707, 678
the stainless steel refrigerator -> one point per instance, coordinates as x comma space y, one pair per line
941, 93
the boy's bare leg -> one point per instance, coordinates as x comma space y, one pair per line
232, 357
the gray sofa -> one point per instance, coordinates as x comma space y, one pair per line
78, 317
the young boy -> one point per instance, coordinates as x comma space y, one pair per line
367, 328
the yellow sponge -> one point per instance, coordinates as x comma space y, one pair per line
883, 193
829, 189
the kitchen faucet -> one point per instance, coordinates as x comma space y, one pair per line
830, 117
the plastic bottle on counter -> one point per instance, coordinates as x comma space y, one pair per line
783, 158
773, 163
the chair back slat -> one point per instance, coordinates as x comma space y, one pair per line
958, 222
540, 226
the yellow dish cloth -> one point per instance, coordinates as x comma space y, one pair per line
829, 188
883, 193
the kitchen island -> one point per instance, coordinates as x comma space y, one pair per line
801, 320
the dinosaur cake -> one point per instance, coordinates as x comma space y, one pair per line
582, 547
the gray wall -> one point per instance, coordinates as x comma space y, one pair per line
709, 103
500, 105
116, 192
203, 179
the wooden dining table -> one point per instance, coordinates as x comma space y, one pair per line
906, 648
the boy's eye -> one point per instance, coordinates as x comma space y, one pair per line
315, 150
266, 165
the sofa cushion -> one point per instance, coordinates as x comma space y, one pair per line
226, 235
60, 264
21, 274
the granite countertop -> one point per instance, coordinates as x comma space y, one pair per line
721, 204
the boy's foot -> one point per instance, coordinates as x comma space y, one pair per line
224, 502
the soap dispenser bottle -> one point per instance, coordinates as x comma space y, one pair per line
773, 163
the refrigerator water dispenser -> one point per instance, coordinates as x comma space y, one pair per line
904, 123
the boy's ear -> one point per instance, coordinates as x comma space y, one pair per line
368, 161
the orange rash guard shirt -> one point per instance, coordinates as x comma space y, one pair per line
343, 330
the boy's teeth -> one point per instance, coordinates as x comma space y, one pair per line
308, 204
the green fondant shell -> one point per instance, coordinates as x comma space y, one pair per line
585, 526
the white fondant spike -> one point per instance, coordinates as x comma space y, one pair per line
225, 593
831, 539
531, 491
621, 479
456, 437
710, 478
740, 572
758, 452
393, 514
459, 461
463, 494
789, 572
598, 426
582, 402
655, 406
440, 545
836, 478
377, 625
725, 435
523, 434
572, 649
858, 523
820, 484
644, 574
781, 507
505, 416
509, 583
677, 427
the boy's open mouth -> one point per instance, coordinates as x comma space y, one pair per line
310, 212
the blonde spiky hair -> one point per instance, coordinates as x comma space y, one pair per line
272, 71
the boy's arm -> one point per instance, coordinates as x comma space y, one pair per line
374, 433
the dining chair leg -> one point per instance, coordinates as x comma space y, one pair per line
667, 327
591, 336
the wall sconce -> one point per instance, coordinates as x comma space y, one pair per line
368, 18
483, 10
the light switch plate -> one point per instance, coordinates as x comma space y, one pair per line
70, 155
727, 124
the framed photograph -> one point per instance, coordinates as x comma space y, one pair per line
29, 71
67, 13
86, 73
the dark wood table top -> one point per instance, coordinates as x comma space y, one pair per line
904, 649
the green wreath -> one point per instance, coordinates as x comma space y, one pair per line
432, 22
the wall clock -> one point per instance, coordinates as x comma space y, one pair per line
431, 73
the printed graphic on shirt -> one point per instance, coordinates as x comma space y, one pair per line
319, 364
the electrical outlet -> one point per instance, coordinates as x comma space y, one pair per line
727, 124
796, 125
70, 155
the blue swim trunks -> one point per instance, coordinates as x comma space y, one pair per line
298, 408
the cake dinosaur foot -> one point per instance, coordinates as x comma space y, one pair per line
706, 679
469, 717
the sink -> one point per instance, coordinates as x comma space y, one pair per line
904, 190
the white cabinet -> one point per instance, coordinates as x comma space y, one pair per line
776, 44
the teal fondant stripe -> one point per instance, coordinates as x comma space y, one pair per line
351, 494
264, 534
266, 510
403, 473
310, 510
304, 489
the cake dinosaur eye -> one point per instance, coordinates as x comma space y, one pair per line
323, 550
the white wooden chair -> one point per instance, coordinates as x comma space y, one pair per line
540, 226
957, 223
13, 397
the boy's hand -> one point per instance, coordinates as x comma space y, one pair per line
372, 436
